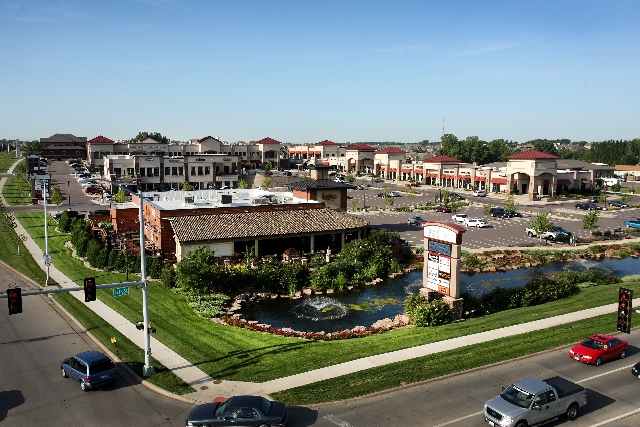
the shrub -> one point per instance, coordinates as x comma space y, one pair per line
596, 249
434, 313
596, 233
168, 276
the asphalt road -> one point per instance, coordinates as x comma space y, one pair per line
33, 391
457, 400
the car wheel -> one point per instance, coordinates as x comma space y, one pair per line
522, 424
83, 386
530, 234
598, 361
623, 354
64, 374
572, 412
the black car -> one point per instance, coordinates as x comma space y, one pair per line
499, 213
584, 206
455, 196
618, 204
636, 370
514, 214
239, 411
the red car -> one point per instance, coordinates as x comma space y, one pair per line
93, 189
595, 207
598, 348
443, 208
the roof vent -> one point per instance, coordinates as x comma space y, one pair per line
187, 199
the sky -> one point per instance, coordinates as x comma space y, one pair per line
304, 71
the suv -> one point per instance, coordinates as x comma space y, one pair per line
479, 193
416, 220
91, 368
499, 213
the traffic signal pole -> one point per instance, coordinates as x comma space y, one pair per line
147, 369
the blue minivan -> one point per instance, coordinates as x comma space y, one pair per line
91, 368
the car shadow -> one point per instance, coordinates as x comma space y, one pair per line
301, 416
9, 399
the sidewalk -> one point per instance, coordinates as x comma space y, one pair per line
207, 389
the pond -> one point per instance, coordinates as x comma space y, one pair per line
365, 305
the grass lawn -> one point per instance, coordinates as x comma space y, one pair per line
6, 160
225, 352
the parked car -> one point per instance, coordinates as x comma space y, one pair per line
93, 189
479, 193
395, 194
361, 187
598, 348
411, 184
636, 370
594, 200
633, 223
287, 173
91, 369
239, 411
584, 206
459, 217
514, 214
475, 222
416, 220
618, 204
596, 207
499, 213
268, 173
443, 208
455, 196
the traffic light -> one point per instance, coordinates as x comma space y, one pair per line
625, 297
89, 289
15, 300
150, 329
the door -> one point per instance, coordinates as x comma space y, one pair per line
545, 406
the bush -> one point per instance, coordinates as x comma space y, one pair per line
434, 313
596, 233
168, 276
596, 249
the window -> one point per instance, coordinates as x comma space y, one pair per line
180, 170
174, 171
193, 171
156, 171
149, 171
130, 171
142, 172
117, 172
207, 170
167, 170
200, 171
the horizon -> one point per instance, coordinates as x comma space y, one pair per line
303, 72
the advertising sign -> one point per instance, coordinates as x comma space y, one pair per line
439, 273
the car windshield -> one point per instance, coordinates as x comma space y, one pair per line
591, 343
515, 396
221, 409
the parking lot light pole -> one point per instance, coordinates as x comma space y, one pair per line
47, 257
69, 193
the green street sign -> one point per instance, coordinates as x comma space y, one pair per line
118, 292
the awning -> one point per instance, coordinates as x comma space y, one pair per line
498, 180
479, 178
325, 163
382, 168
418, 172
563, 182
406, 170
254, 161
514, 182
318, 153
393, 170
585, 181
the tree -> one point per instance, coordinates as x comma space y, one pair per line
590, 220
510, 203
56, 196
154, 135
268, 166
450, 146
120, 196
350, 178
186, 186
545, 146
266, 184
456, 207
626, 197
541, 223
386, 196
31, 148
242, 183
198, 271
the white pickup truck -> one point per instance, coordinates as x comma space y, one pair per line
548, 235
532, 402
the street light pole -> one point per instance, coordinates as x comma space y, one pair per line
47, 257
69, 193
147, 370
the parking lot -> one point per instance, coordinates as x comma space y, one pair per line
500, 233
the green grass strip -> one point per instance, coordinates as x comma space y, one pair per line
444, 363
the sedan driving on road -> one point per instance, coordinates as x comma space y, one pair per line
598, 348
584, 206
416, 220
239, 411
633, 223
443, 208
459, 217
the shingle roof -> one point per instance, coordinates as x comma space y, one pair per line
442, 159
268, 140
531, 155
361, 147
101, 139
391, 150
261, 224
318, 183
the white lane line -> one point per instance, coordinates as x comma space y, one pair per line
619, 417
336, 421
605, 373
459, 419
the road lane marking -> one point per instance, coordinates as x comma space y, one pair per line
605, 373
337, 421
459, 419
619, 417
